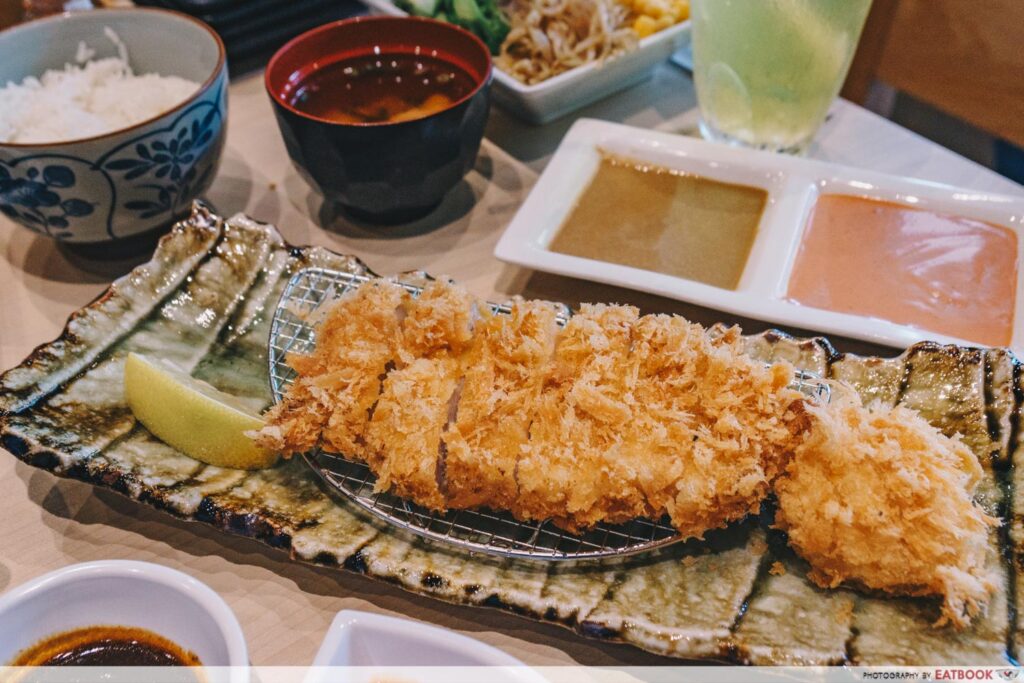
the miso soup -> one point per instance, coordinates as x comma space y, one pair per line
385, 88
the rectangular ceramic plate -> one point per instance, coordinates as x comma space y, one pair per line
793, 185
577, 87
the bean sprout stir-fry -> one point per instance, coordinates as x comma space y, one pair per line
549, 37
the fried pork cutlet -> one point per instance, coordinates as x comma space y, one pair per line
878, 498
418, 397
712, 428
405, 430
570, 470
339, 382
616, 417
502, 378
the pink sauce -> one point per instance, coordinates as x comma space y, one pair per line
938, 272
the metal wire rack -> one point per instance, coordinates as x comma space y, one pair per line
484, 531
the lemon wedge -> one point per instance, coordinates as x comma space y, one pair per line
193, 416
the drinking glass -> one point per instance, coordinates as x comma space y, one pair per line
767, 70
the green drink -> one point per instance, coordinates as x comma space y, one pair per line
767, 70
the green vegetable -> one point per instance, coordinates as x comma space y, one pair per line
482, 17
466, 13
419, 8
495, 27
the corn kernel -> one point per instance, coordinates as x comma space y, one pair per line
644, 26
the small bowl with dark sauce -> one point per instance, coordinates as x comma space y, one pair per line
106, 646
120, 613
382, 115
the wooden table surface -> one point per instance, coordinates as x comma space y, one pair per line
285, 608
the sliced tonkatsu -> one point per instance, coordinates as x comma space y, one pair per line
404, 434
502, 378
572, 469
338, 383
419, 396
617, 416
712, 428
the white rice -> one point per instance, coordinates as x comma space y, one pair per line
91, 98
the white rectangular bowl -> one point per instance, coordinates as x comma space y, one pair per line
793, 185
576, 88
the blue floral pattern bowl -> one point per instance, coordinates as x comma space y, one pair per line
132, 181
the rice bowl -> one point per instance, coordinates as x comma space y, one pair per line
134, 180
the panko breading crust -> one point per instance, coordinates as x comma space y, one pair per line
404, 434
879, 498
570, 469
339, 382
712, 427
618, 416
502, 376
440, 320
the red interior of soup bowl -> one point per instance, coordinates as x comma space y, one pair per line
349, 38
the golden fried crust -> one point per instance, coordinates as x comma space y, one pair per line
712, 428
879, 498
440, 320
338, 383
571, 469
404, 434
502, 378
418, 398
617, 417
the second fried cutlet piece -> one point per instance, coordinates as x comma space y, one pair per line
405, 430
571, 469
418, 397
712, 427
339, 382
877, 497
502, 378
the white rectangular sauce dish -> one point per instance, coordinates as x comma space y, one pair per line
793, 184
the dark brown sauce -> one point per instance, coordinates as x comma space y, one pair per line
106, 646
384, 88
